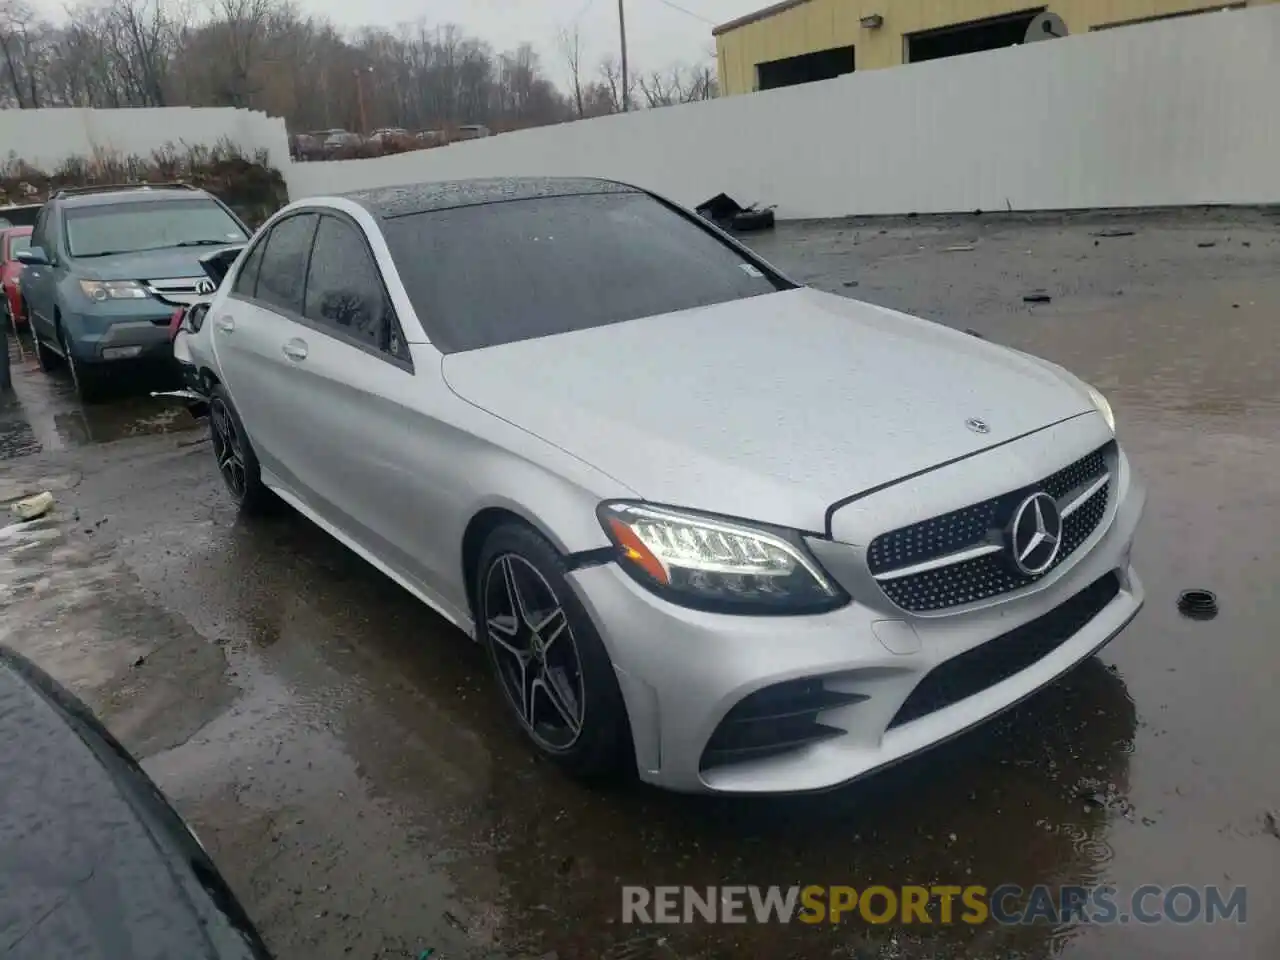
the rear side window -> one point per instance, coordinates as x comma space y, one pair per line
500, 272
247, 279
282, 273
344, 290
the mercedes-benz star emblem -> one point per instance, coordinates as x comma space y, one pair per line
977, 426
205, 287
1035, 534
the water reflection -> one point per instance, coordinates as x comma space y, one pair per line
1026, 799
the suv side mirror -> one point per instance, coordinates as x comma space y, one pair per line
33, 257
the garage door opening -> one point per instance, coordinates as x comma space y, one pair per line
806, 68
971, 37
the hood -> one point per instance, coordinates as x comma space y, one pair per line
770, 408
147, 264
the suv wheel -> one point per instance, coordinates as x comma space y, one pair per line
88, 382
556, 677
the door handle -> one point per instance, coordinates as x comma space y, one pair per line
295, 350
226, 324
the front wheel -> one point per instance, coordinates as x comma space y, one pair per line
89, 382
555, 673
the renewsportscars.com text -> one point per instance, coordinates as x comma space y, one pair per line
1007, 904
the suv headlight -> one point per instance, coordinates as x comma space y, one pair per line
102, 290
1103, 406
710, 563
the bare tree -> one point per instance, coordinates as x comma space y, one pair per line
570, 42
20, 49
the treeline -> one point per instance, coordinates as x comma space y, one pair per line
267, 55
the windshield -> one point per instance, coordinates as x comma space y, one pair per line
19, 242
148, 225
495, 273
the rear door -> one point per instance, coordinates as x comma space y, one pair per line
350, 385
38, 281
250, 327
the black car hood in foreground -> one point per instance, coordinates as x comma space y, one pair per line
94, 863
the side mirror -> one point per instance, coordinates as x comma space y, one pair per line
33, 257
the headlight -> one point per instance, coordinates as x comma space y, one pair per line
102, 290
714, 564
1104, 408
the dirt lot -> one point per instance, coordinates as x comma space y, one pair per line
342, 752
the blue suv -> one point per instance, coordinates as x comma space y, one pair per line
107, 268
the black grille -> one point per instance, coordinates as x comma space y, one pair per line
988, 664
774, 720
987, 576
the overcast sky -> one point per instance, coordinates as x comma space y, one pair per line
658, 34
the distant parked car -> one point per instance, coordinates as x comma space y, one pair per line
12, 240
472, 131
340, 139
19, 215
307, 146
106, 268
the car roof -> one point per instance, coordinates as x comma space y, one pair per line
401, 201
143, 194
16, 231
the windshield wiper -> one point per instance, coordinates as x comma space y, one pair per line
208, 243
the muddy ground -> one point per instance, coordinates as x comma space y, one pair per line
343, 754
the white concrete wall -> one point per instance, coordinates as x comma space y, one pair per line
45, 138
1183, 111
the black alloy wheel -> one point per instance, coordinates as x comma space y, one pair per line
535, 651
555, 674
234, 454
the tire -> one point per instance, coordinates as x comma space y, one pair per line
90, 384
567, 674
234, 456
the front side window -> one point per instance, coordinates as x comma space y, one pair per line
495, 273
246, 284
283, 271
344, 289
132, 227
18, 242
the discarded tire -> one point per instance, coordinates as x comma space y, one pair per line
1198, 604
749, 220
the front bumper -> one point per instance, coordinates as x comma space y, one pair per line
95, 338
682, 671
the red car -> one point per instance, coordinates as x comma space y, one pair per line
12, 239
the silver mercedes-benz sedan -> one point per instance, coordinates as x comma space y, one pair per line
734, 533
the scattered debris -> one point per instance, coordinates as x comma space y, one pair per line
1036, 296
1270, 824
728, 214
139, 660
1115, 232
1245, 243
851, 283
1207, 243
960, 248
974, 333
1198, 604
32, 507
1235, 306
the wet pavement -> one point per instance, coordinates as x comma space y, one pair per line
342, 752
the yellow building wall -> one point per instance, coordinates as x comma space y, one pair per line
822, 24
